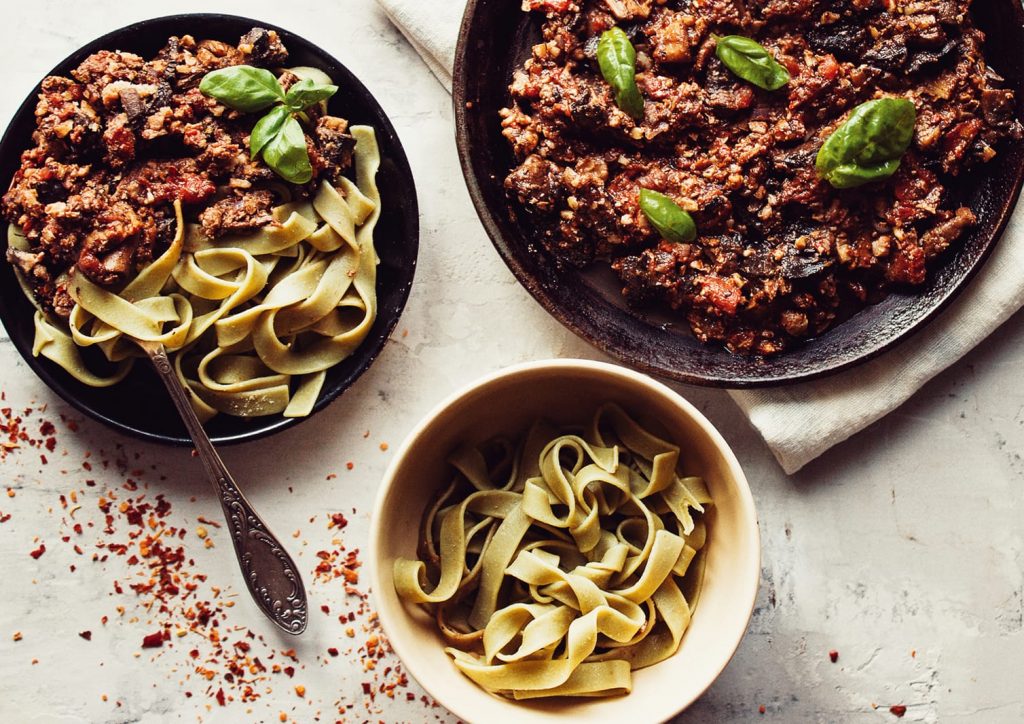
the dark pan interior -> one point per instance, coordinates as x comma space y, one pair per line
139, 405
496, 36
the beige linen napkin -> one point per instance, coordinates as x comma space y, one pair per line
802, 421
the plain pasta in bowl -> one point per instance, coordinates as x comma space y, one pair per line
556, 565
564, 541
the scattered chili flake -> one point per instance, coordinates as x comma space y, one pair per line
833, 656
220, 696
153, 640
300, 690
383, 446
38, 551
17, 636
332, 651
338, 520
350, 465
898, 710
87, 635
761, 709
10, 492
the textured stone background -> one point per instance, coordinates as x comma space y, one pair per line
901, 548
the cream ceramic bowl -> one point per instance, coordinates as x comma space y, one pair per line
506, 403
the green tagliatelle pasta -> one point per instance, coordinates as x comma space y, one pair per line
252, 322
559, 566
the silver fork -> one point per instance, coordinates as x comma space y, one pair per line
270, 573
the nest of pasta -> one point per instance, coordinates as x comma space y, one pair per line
557, 565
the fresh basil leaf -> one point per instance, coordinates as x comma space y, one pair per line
306, 93
751, 61
868, 145
667, 217
616, 57
266, 128
286, 153
242, 87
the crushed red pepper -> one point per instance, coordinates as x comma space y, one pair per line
144, 552
898, 710
833, 656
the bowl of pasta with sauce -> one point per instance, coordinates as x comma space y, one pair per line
565, 540
218, 186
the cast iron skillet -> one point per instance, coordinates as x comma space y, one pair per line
139, 405
496, 37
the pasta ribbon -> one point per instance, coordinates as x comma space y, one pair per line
558, 562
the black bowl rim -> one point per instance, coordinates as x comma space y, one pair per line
47, 371
591, 333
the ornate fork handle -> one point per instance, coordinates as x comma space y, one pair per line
270, 573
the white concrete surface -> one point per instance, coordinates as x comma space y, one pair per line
901, 549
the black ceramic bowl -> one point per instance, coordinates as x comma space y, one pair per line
496, 37
139, 405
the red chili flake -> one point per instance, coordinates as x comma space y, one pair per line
87, 635
326, 609
409, 696
220, 696
833, 656
153, 640
367, 689
5, 518
332, 651
761, 709
38, 551
289, 671
898, 710
350, 465
338, 520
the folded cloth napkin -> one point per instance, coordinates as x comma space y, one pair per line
802, 421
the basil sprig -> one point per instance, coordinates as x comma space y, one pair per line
616, 57
869, 144
278, 135
667, 217
751, 61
